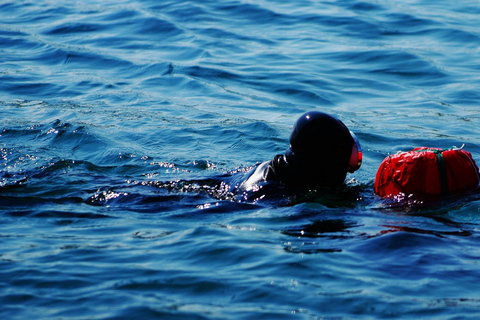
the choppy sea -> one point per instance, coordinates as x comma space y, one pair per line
124, 123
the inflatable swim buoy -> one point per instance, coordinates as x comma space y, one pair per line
427, 171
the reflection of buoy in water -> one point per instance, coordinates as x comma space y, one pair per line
427, 171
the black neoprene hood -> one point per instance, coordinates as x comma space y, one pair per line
320, 148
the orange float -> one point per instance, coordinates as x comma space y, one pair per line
427, 171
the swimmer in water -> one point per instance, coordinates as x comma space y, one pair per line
322, 150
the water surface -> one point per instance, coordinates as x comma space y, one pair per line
124, 126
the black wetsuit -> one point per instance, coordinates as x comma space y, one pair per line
266, 171
318, 157
266, 180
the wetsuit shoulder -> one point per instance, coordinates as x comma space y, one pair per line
266, 171
258, 176
264, 183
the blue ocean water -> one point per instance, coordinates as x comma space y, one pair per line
120, 122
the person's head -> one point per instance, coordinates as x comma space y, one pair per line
321, 151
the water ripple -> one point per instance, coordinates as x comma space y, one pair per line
126, 127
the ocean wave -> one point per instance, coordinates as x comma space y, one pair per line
126, 127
